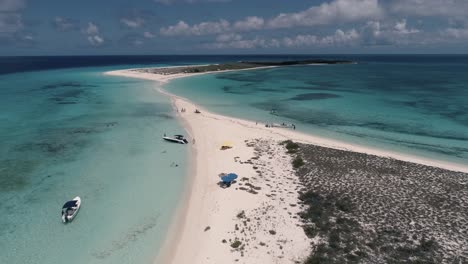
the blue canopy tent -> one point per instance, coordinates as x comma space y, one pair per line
228, 178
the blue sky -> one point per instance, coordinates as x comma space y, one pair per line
66, 27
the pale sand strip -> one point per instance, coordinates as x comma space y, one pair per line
296, 135
206, 204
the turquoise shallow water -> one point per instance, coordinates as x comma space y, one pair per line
77, 132
414, 106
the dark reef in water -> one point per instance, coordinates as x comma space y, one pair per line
314, 96
13, 173
64, 85
232, 90
369, 209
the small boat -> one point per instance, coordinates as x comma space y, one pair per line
70, 209
176, 139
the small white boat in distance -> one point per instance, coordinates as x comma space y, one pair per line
70, 209
176, 139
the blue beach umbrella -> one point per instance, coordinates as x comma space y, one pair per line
229, 177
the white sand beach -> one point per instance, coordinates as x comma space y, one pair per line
263, 217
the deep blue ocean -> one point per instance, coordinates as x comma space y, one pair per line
66, 130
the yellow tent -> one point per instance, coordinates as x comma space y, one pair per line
226, 145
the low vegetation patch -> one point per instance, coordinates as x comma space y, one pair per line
297, 162
356, 207
241, 214
236, 244
290, 146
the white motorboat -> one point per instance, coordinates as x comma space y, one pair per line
176, 139
70, 209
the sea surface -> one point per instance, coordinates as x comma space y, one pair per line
66, 130
415, 105
76, 132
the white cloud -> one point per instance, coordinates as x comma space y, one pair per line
204, 28
12, 5
339, 38
95, 40
93, 35
137, 42
388, 33
28, 37
64, 24
91, 29
228, 37
373, 34
249, 23
336, 11
148, 34
401, 28
10, 22
181, 28
235, 41
445, 8
457, 33
300, 40
135, 22
248, 43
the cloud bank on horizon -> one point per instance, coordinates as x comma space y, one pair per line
236, 26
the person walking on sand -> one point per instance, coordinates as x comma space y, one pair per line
193, 141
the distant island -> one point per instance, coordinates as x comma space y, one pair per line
241, 65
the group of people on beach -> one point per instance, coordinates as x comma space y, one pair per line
293, 126
183, 110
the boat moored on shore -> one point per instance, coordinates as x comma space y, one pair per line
176, 139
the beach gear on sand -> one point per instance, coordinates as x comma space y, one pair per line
229, 177
226, 145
